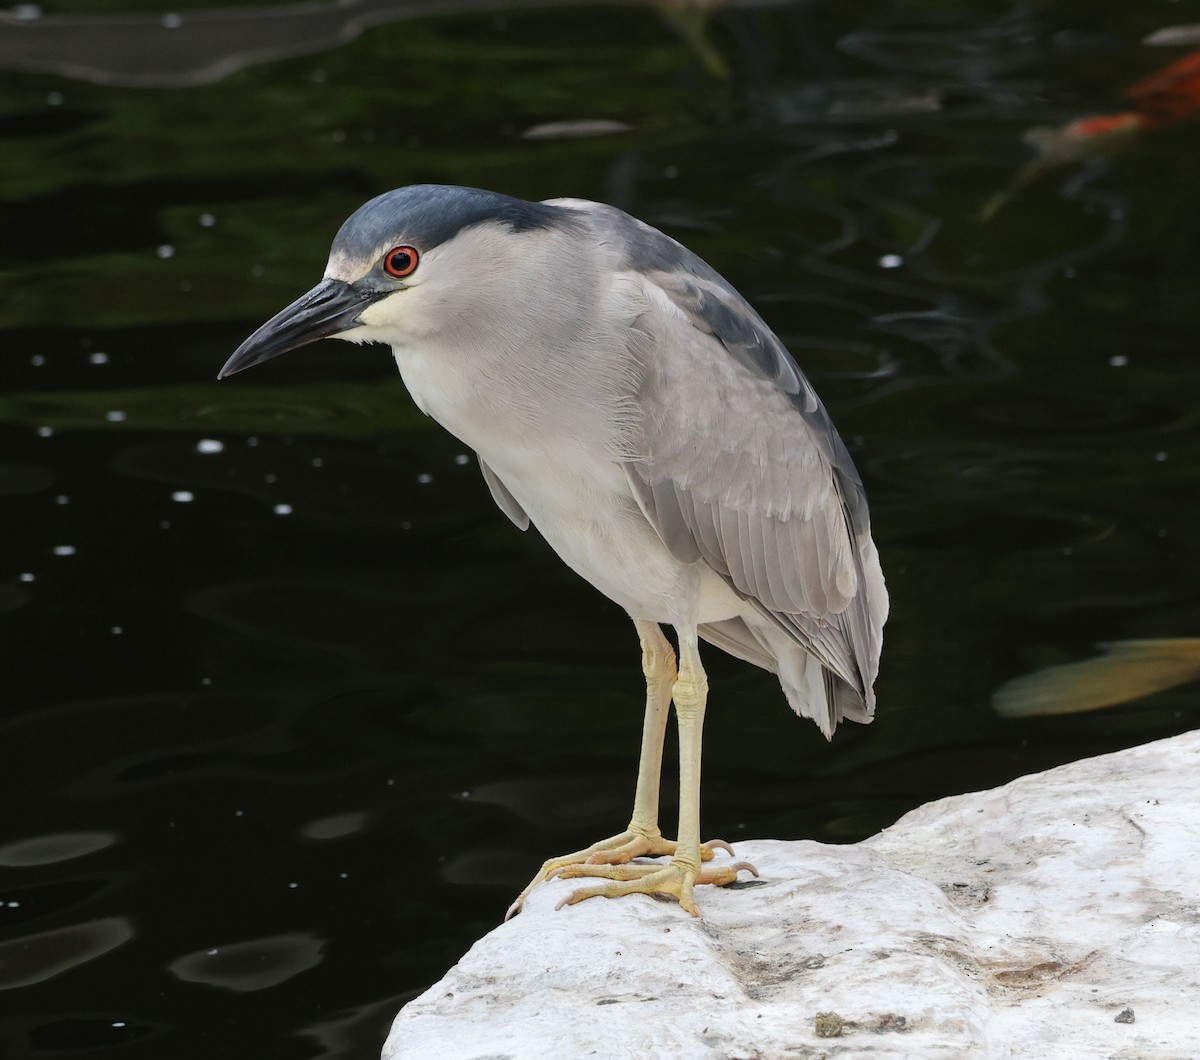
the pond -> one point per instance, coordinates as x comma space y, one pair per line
291, 711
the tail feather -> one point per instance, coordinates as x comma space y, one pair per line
812, 690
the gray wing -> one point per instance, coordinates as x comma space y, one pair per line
739, 465
504, 500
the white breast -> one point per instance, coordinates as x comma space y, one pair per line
575, 493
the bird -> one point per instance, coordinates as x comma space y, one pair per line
623, 398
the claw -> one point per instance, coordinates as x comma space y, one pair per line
673, 879
726, 873
611, 859
634, 879
618, 849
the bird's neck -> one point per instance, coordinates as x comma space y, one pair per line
498, 400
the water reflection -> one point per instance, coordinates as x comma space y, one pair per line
42, 955
248, 966
356, 1032
50, 849
198, 47
336, 826
193, 48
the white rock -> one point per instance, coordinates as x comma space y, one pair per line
1025, 921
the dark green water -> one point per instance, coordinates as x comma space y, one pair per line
281, 683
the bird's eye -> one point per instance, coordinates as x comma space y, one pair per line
401, 261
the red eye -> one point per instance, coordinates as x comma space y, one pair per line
401, 261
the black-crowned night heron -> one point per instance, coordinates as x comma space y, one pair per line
627, 401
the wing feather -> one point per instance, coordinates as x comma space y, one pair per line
505, 501
738, 464
708, 534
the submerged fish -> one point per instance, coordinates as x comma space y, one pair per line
1167, 97
1128, 669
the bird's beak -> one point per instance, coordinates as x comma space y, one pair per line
329, 308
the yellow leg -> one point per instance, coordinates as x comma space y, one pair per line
642, 838
690, 692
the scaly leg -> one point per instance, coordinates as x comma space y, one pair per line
642, 838
658, 666
679, 878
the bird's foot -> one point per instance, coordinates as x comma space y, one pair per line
616, 850
623, 848
676, 878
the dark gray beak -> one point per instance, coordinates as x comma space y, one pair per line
331, 307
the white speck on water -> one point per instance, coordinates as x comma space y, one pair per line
55, 99
117, 630
118, 1024
424, 478
25, 577
462, 459
62, 498
317, 462
1160, 457
207, 220
282, 509
212, 952
891, 261
115, 415
293, 886
45, 432
172, 20
164, 524
183, 496
1119, 360
37, 360
271, 477
209, 445
252, 441
97, 358
166, 251
26, 12
64, 550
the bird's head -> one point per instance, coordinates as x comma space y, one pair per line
417, 262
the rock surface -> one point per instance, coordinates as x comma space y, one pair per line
1055, 917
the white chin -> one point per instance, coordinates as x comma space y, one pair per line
362, 333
